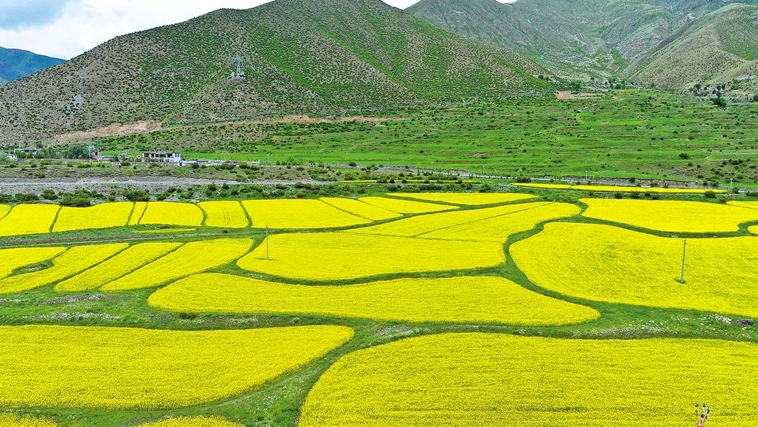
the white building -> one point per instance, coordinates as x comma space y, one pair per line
162, 156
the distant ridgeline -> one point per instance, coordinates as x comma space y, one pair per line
287, 56
16, 63
600, 38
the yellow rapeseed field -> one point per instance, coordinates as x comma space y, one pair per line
96, 367
469, 198
363, 210
405, 206
74, 260
334, 256
604, 263
125, 262
28, 219
171, 213
12, 259
194, 422
225, 214
4, 209
621, 189
476, 299
670, 215
418, 225
298, 214
101, 216
194, 257
500, 228
139, 210
15, 420
494, 380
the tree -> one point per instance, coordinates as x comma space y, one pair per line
755, 98
719, 102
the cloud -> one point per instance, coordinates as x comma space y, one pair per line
16, 14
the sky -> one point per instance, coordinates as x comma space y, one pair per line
66, 28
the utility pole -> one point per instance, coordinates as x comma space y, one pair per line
684, 261
268, 254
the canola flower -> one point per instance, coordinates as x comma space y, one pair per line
671, 215
194, 422
125, 262
621, 189
604, 263
73, 261
405, 206
420, 225
101, 216
500, 228
226, 214
192, 258
125, 368
4, 209
483, 380
171, 213
28, 219
12, 259
139, 210
335, 256
298, 214
16, 420
483, 299
469, 198
363, 210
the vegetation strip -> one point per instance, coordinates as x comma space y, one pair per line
604, 263
92, 367
342, 256
483, 299
483, 379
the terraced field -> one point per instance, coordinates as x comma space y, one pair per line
409, 309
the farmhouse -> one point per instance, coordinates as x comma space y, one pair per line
162, 156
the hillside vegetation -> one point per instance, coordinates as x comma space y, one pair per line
298, 56
574, 38
721, 48
16, 63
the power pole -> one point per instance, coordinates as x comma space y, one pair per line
268, 253
684, 261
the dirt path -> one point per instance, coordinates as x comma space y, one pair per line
152, 184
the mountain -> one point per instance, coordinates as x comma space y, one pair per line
720, 48
16, 63
574, 38
297, 56
3, 81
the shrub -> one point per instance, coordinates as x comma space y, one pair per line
709, 194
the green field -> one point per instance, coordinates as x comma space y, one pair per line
626, 134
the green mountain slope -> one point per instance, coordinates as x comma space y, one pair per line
719, 48
574, 38
307, 56
16, 63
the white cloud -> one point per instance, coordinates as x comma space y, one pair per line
83, 24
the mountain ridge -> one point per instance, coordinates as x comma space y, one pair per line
718, 49
298, 56
18, 63
574, 38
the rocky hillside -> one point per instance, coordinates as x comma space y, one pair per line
297, 56
575, 38
16, 63
718, 49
